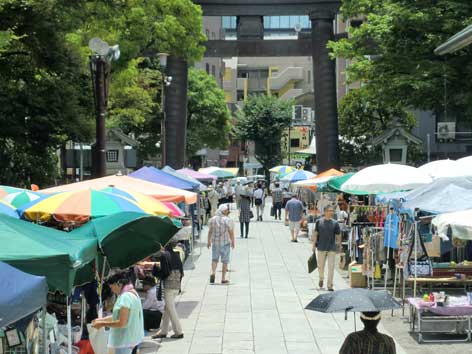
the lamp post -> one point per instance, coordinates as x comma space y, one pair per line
166, 81
100, 62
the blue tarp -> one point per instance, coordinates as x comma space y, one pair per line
22, 294
444, 195
199, 186
152, 174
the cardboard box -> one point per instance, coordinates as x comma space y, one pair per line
356, 278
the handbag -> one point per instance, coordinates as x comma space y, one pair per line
251, 214
312, 263
422, 267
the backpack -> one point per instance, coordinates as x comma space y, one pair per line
163, 271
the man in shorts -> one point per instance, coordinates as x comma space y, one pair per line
294, 214
221, 240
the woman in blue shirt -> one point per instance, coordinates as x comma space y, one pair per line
126, 324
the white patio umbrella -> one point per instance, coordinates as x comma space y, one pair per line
443, 168
386, 178
465, 164
459, 221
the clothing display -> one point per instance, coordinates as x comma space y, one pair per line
391, 226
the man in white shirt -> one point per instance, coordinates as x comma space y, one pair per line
152, 307
259, 201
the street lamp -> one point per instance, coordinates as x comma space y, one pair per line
166, 81
100, 62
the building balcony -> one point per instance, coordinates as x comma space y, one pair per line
291, 94
290, 74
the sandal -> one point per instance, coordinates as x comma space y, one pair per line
212, 279
225, 282
177, 336
159, 336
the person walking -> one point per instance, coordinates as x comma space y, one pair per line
126, 323
238, 189
152, 307
277, 199
171, 289
213, 198
293, 215
326, 241
244, 213
220, 239
259, 198
369, 340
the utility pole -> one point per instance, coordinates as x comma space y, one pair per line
100, 167
100, 62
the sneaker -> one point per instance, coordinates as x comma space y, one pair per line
320, 284
212, 279
295, 240
177, 336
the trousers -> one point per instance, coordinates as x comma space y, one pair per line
170, 313
242, 228
278, 210
331, 257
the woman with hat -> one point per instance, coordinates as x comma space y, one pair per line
369, 340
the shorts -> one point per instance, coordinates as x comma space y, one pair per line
222, 253
294, 225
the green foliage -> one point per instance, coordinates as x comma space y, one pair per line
208, 114
392, 57
44, 93
46, 76
263, 120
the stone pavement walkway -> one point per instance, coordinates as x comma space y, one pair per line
262, 310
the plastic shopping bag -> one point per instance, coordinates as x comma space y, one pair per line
99, 339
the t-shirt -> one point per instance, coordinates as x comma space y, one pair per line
295, 209
133, 333
327, 230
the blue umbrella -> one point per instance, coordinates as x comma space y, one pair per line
296, 176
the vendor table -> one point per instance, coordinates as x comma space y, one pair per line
422, 313
435, 281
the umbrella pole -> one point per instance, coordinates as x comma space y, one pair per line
355, 326
45, 334
102, 276
416, 257
388, 251
69, 326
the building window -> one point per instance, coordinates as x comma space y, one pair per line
229, 22
240, 95
112, 155
213, 70
294, 143
213, 35
308, 79
207, 33
207, 68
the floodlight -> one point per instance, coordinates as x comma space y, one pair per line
99, 46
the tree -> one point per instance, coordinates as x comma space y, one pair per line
262, 120
208, 115
44, 93
392, 56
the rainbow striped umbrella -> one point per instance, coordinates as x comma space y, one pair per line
282, 170
176, 211
5, 190
8, 209
149, 204
79, 206
18, 199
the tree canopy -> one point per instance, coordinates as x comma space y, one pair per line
262, 120
392, 58
45, 91
208, 115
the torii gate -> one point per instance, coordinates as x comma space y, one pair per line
250, 42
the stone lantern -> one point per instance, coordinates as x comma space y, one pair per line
395, 142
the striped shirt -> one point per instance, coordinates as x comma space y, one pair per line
368, 342
220, 227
